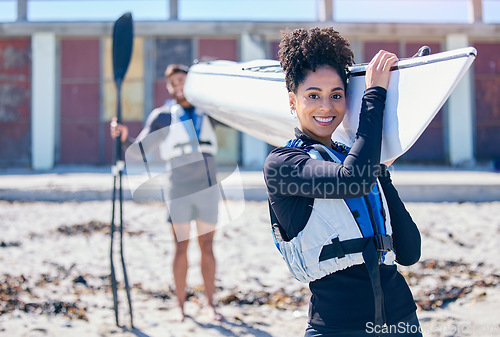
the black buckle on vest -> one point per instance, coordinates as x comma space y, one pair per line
332, 250
337, 248
384, 243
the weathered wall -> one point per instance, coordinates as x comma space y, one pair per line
80, 100
15, 101
487, 95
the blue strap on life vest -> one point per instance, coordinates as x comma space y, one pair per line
357, 206
298, 144
197, 119
358, 209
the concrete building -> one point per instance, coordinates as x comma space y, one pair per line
57, 93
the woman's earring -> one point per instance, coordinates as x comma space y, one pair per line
292, 111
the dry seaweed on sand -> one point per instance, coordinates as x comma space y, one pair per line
87, 228
277, 299
437, 283
91, 227
4, 244
17, 294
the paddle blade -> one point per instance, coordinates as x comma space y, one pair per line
123, 36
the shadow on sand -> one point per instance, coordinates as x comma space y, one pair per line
225, 328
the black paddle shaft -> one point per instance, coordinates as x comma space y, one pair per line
123, 36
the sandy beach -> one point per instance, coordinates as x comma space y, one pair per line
54, 273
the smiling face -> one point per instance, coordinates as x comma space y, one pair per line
175, 87
320, 103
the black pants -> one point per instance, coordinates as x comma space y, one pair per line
409, 326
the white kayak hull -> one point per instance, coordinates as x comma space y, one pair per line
252, 97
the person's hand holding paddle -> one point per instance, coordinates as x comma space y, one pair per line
378, 70
118, 130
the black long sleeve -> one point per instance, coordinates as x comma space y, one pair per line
406, 236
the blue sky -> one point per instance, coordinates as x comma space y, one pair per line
445, 11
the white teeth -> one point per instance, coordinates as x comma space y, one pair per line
324, 119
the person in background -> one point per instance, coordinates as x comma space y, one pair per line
188, 147
337, 219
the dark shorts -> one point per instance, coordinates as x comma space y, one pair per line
409, 326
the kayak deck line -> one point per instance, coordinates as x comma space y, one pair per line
355, 70
360, 69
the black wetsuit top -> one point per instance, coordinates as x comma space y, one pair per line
344, 299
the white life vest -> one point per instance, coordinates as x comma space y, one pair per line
332, 239
182, 139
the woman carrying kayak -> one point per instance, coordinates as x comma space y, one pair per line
338, 220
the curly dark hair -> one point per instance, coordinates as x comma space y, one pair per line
304, 50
